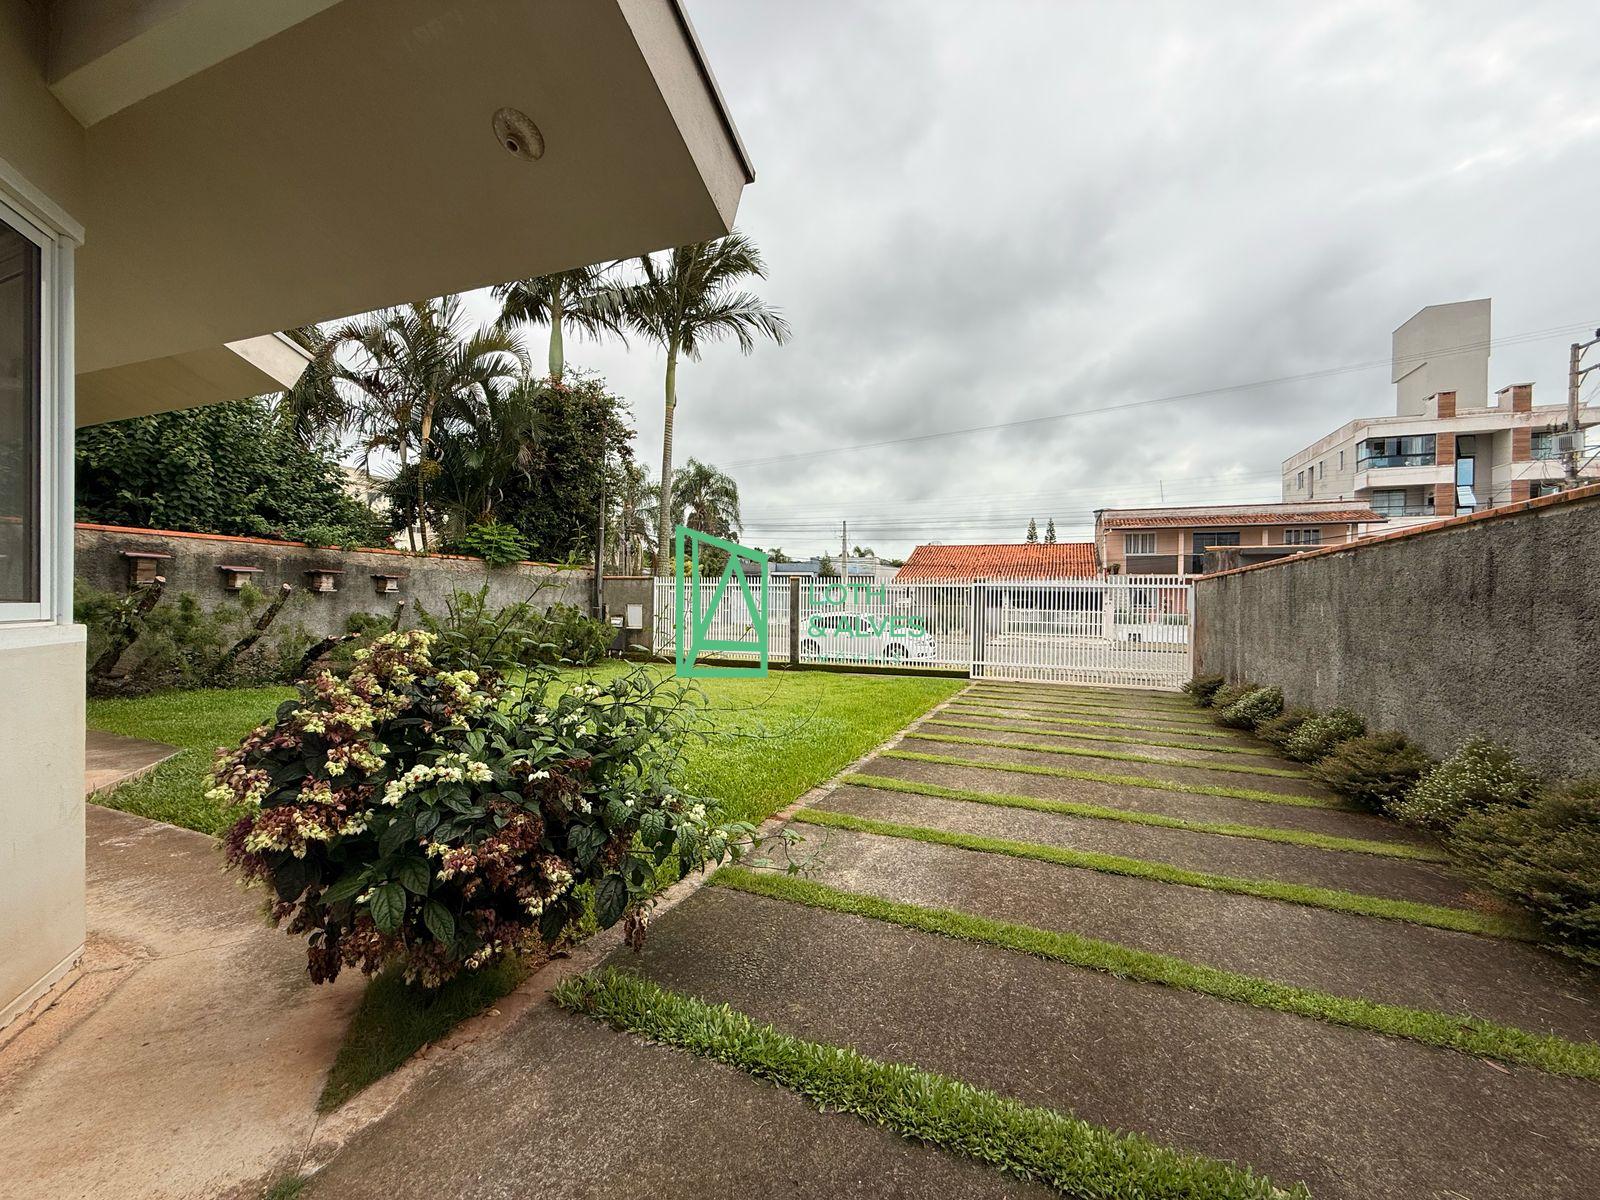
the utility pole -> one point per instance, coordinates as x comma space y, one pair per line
844, 552
1575, 374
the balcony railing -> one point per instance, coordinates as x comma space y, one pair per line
1404, 510
1394, 460
1150, 564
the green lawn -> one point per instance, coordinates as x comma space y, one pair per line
757, 745
198, 722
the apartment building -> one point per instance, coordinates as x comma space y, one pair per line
1174, 540
1452, 446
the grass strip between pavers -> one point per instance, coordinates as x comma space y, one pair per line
1114, 755
1077, 1159
1159, 785
959, 705
1133, 816
1085, 736
1447, 1031
1436, 916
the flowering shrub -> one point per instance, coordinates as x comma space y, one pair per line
1480, 774
1252, 708
1282, 727
1544, 853
441, 818
1317, 736
1230, 692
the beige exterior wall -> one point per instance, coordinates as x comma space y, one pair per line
41, 810
1177, 541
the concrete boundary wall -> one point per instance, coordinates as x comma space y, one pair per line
193, 563
1485, 624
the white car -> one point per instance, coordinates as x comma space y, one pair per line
866, 638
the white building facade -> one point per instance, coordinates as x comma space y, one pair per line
1452, 446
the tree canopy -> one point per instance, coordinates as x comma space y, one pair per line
233, 468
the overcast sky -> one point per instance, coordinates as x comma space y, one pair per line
980, 213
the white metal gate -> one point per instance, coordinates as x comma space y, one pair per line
1127, 630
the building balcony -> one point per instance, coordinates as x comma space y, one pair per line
1151, 564
1402, 476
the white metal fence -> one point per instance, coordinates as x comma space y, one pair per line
1128, 630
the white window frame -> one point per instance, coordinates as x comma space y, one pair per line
1130, 540
57, 236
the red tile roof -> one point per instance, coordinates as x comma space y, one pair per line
1063, 560
1337, 516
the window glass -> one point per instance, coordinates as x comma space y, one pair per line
20, 295
1139, 543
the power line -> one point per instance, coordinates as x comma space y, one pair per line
1203, 393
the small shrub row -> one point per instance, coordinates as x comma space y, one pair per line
1536, 845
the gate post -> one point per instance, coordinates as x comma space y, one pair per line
975, 666
794, 620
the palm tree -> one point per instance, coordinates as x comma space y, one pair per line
704, 498
314, 410
417, 362
580, 299
635, 529
683, 303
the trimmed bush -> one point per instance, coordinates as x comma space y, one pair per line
1229, 693
1545, 855
1317, 736
1375, 770
1282, 727
1203, 687
1481, 774
1253, 708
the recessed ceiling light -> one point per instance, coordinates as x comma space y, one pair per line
515, 130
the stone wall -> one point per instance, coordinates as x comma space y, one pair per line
1487, 624
194, 564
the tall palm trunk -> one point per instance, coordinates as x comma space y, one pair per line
558, 359
664, 517
422, 472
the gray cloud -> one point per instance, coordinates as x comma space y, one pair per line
980, 213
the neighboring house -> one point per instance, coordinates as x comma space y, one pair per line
1451, 446
180, 179
1002, 561
1173, 540
368, 489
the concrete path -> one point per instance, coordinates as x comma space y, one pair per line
1353, 1114
110, 759
186, 1060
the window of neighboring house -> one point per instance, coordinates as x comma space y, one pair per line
1138, 543
25, 433
1302, 537
1300, 480
1322, 470
1414, 451
1389, 503
1466, 473
1539, 488
1341, 460
1543, 443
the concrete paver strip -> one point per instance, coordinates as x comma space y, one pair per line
1349, 955
1176, 750
1403, 880
1355, 1115
111, 759
561, 1108
1021, 748
1180, 804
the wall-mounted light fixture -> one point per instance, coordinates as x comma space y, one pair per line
386, 585
144, 567
324, 579
234, 577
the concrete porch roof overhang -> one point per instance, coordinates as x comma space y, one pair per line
248, 168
